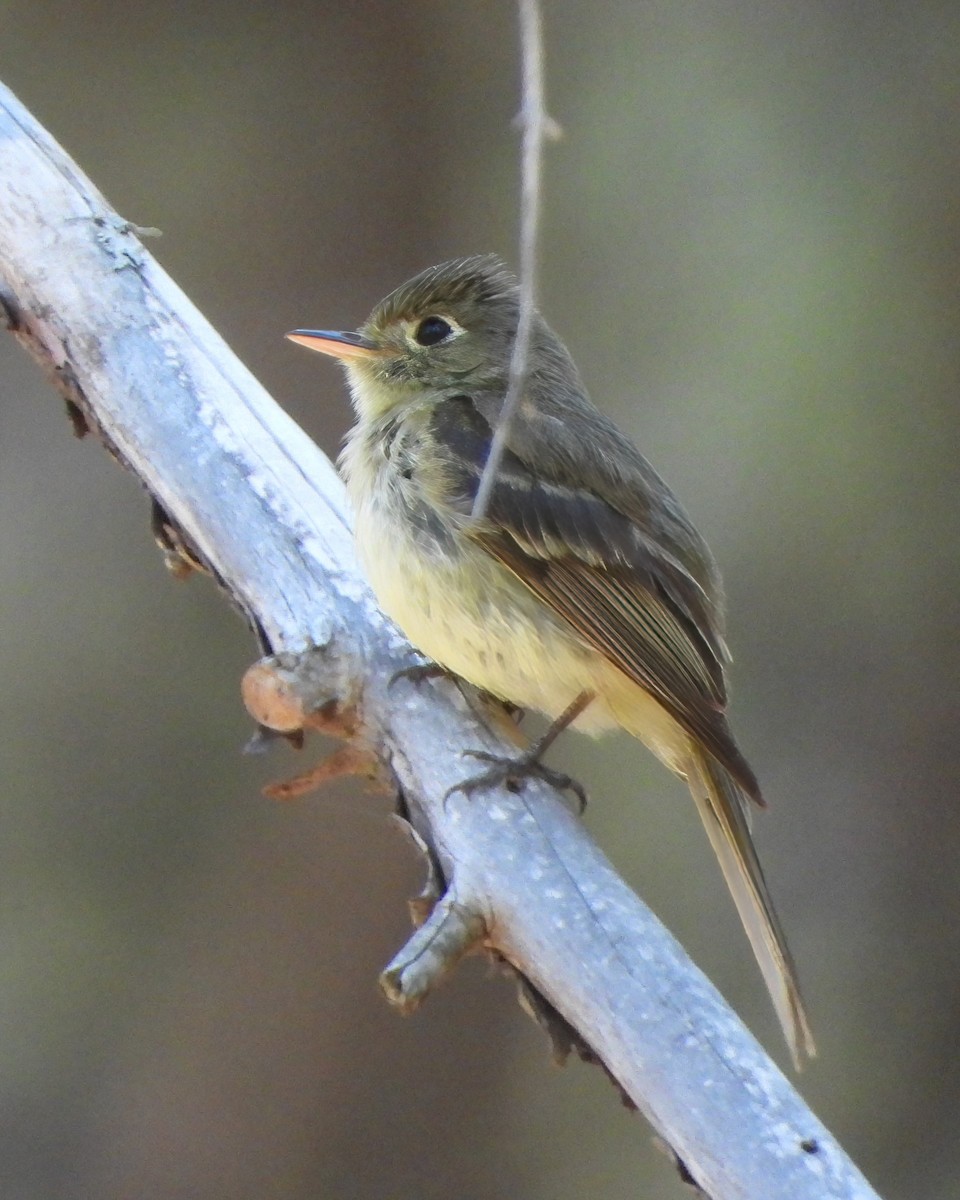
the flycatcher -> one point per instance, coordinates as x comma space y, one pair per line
584, 591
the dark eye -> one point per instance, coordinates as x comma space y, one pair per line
432, 330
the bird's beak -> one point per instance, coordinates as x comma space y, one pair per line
340, 345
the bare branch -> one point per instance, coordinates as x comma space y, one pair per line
245, 492
537, 128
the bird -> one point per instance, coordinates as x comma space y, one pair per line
583, 591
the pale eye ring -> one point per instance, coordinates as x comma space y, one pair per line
432, 331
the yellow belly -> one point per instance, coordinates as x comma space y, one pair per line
465, 610
474, 617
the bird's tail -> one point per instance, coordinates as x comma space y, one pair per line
722, 805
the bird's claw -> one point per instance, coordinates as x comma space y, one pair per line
511, 772
418, 672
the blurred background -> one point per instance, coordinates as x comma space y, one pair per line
751, 244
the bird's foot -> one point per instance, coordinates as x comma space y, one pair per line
418, 672
511, 772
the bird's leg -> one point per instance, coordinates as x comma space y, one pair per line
512, 771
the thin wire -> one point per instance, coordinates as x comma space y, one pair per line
537, 127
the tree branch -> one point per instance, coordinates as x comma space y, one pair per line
245, 492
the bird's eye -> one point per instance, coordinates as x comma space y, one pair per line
432, 330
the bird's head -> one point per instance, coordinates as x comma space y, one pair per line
450, 329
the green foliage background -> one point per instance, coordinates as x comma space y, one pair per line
751, 244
